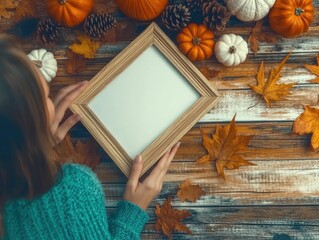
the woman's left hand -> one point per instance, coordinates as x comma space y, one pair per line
61, 103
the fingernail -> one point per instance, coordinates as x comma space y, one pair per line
178, 144
138, 159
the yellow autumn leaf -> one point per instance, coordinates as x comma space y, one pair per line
86, 47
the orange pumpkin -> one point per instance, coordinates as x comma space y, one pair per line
196, 42
142, 10
69, 13
289, 18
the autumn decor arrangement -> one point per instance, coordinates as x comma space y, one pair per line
45, 61
290, 18
69, 13
231, 49
196, 42
142, 10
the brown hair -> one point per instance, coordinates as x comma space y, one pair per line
27, 169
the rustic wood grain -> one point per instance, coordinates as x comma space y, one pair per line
277, 198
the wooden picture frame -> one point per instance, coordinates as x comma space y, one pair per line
154, 50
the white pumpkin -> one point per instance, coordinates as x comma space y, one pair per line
45, 61
231, 49
249, 10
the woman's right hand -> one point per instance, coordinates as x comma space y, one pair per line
142, 193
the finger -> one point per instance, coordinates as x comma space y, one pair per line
168, 163
65, 103
66, 90
65, 127
135, 172
159, 168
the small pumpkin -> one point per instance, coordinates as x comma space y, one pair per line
290, 18
69, 13
196, 41
231, 49
251, 10
142, 10
45, 61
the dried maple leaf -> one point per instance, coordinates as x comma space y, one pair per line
314, 69
87, 153
86, 47
82, 153
223, 148
26, 8
306, 123
169, 219
257, 36
75, 62
104, 6
6, 8
209, 73
270, 90
190, 192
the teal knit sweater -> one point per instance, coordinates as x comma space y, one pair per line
73, 209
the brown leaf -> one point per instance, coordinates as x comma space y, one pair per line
104, 6
87, 153
7, 7
315, 70
75, 63
190, 192
86, 47
169, 219
209, 73
257, 36
270, 90
26, 8
224, 148
83, 153
307, 123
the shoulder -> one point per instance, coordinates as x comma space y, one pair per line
81, 175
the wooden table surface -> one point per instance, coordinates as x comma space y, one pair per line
278, 198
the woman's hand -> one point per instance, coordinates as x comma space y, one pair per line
142, 193
61, 103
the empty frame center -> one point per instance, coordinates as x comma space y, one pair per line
143, 101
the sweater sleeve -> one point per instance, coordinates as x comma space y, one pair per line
129, 219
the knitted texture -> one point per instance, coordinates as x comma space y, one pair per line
73, 209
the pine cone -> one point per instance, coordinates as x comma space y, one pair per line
216, 16
96, 24
194, 5
176, 17
48, 30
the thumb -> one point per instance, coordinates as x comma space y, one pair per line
136, 171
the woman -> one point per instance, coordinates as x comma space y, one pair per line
39, 198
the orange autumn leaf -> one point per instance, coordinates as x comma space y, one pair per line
224, 148
314, 69
26, 8
270, 90
86, 47
190, 192
307, 123
83, 153
169, 219
7, 7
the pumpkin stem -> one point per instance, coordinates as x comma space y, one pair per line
196, 41
62, 1
232, 49
299, 11
38, 64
